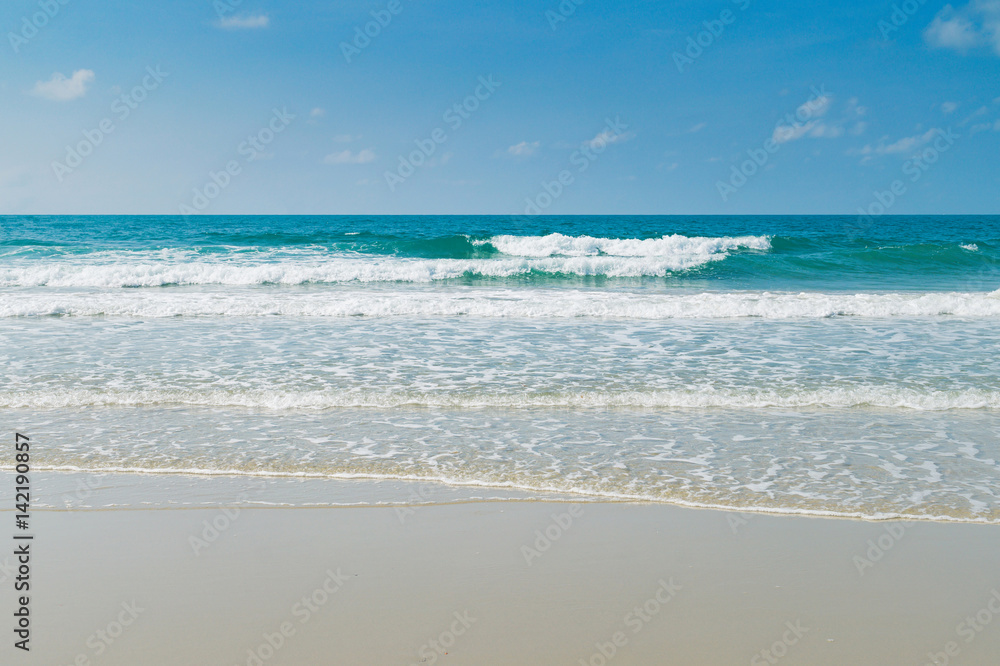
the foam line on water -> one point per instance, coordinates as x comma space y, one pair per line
885, 397
496, 303
589, 494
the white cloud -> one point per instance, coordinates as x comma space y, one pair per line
523, 149
985, 127
976, 24
816, 108
948, 107
317, 113
607, 137
949, 30
347, 157
61, 89
813, 126
697, 128
904, 145
824, 131
981, 111
805, 121
245, 22
786, 133
855, 109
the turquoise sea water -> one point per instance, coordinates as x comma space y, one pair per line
799, 364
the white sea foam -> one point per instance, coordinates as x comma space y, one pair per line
343, 269
667, 246
859, 396
495, 303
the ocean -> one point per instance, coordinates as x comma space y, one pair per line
815, 365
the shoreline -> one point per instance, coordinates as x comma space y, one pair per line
377, 484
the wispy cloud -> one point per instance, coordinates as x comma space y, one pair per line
786, 133
825, 131
523, 149
905, 145
348, 157
697, 128
317, 113
981, 111
62, 89
607, 137
815, 126
249, 22
806, 120
974, 25
985, 127
948, 107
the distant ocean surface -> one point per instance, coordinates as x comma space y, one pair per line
813, 365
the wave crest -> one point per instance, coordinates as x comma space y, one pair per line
553, 245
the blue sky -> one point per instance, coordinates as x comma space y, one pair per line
257, 106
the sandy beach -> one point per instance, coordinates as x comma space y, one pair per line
250, 575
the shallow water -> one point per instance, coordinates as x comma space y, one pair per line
782, 364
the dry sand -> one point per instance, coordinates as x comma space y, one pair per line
479, 582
